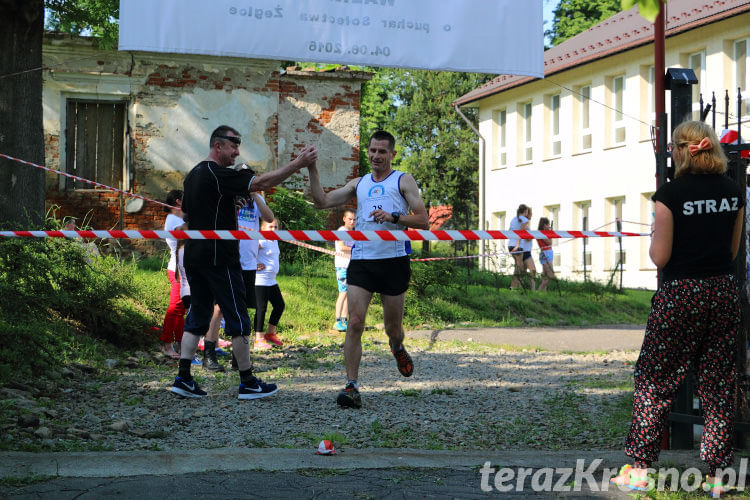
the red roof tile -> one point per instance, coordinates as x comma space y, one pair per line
623, 31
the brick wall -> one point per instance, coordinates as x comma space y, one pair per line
173, 103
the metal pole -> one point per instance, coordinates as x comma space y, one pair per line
482, 184
660, 108
619, 257
585, 228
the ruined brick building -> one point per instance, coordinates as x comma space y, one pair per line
140, 121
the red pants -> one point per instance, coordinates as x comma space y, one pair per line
174, 320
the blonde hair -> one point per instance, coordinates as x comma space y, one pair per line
710, 161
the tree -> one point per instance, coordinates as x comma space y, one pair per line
97, 18
21, 129
21, 133
574, 16
434, 144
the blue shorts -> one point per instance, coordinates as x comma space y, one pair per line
341, 279
546, 256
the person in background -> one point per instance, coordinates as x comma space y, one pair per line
267, 289
341, 263
695, 313
520, 249
546, 254
250, 211
174, 319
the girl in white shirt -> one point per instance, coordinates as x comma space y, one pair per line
267, 289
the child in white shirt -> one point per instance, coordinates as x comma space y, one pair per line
267, 289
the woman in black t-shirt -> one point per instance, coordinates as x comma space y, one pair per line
695, 314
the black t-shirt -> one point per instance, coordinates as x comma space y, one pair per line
208, 201
704, 208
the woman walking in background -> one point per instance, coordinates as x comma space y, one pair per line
174, 319
695, 314
546, 254
520, 249
267, 289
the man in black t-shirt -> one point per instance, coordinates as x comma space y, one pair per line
213, 266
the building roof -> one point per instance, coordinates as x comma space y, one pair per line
439, 215
623, 31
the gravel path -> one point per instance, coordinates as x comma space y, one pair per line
461, 395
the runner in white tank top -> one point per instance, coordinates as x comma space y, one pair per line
386, 200
384, 195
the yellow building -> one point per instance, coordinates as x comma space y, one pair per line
576, 145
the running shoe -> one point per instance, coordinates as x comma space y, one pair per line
349, 397
187, 389
256, 389
403, 361
261, 345
274, 339
339, 326
221, 352
196, 361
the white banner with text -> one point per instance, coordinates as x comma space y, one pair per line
483, 36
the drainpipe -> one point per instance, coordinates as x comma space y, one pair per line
482, 149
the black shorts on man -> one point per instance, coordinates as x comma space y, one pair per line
386, 276
222, 285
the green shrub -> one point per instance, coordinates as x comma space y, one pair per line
53, 289
295, 212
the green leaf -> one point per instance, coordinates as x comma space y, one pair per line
648, 8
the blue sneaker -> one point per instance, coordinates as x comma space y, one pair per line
196, 361
339, 326
256, 390
187, 389
221, 352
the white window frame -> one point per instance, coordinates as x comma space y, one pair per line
618, 117
555, 144
745, 91
701, 87
501, 137
585, 114
528, 147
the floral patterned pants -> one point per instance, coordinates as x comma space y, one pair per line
693, 325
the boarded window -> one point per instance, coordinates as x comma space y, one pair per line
94, 136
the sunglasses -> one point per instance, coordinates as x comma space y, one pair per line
233, 139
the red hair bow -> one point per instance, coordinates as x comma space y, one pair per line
704, 145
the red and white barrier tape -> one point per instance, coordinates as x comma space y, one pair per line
311, 235
97, 184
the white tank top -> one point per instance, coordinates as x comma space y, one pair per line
385, 195
248, 218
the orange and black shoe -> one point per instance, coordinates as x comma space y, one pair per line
403, 361
349, 397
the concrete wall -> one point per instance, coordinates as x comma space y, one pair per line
174, 101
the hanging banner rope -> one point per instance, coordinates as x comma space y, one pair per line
75, 177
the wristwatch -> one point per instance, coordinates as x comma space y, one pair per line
395, 216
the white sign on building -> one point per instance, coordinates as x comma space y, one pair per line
484, 36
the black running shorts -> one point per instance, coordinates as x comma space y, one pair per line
386, 276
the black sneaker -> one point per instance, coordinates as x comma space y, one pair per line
256, 390
349, 397
187, 389
403, 361
211, 363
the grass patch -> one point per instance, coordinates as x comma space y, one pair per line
17, 482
